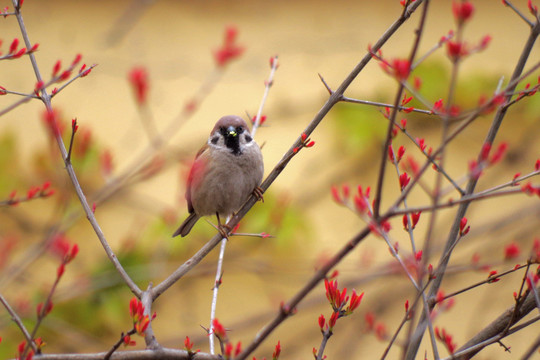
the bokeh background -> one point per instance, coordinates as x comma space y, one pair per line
174, 41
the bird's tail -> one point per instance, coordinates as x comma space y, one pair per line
186, 226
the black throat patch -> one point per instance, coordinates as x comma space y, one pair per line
232, 142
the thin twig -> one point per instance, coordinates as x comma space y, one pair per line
464, 200
384, 105
162, 354
118, 343
17, 320
215, 291
497, 329
326, 336
267, 85
332, 100
399, 93
79, 75
534, 346
452, 236
489, 280
408, 316
518, 12
69, 168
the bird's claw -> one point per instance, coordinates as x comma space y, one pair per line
258, 193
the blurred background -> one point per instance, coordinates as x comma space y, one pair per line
174, 41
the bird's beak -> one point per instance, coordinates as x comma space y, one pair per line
231, 131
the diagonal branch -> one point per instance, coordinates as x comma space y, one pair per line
46, 98
498, 328
452, 236
19, 323
335, 97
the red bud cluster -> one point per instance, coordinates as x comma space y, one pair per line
530, 189
341, 199
219, 330
378, 328
21, 352
140, 320
492, 277
404, 180
15, 53
34, 192
533, 9
443, 303
414, 217
485, 160
400, 153
277, 351
511, 251
231, 350
305, 142
398, 68
463, 11
229, 50
446, 339
338, 298
188, 345
261, 120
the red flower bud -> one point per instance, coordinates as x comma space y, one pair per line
14, 45
463, 228
492, 278
333, 320
138, 78
417, 83
56, 68
403, 123
77, 60
188, 345
402, 68
511, 251
486, 148
462, 11
456, 50
532, 8
60, 270
277, 351
229, 50
218, 329
391, 156
322, 322
499, 153
404, 180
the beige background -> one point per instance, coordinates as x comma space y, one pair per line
174, 40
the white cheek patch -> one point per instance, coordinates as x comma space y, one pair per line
248, 140
216, 140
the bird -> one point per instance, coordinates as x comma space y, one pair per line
226, 171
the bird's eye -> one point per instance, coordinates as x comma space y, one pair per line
248, 138
215, 140
239, 130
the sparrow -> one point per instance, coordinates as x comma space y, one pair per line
226, 171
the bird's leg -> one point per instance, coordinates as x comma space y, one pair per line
223, 228
258, 193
